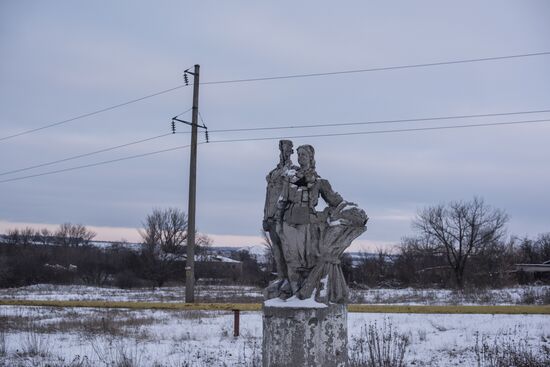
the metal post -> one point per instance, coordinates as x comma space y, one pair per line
190, 266
236, 322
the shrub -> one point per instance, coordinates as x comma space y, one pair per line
126, 280
379, 346
34, 344
511, 352
3, 347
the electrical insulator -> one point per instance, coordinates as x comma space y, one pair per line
185, 78
206, 134
173, 127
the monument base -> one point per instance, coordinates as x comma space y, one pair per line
305, 336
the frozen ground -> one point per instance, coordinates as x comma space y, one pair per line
40, 336
43, 336
411, 296
217, 293
210, 293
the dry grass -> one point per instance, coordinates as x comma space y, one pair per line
3, 344
103, 322
33, 344
250, 355
378, 346
510, 352
115, 352
511, 310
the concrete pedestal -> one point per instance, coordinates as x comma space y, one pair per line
305, 337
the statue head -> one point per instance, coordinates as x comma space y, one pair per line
306, 157
285, 146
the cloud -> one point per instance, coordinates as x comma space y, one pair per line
92, 56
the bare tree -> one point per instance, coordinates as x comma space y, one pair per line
203, 245
23, 236
75, 235
461, 230
543, 245
43, 236
26, 236
164, 236
13, 236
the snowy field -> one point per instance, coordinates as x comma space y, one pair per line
164, 294
45, 336
218, 293
40, 336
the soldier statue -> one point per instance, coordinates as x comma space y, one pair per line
307, 244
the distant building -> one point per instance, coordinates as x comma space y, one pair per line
217, 267
534, 268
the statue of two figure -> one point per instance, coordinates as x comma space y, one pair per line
307, 244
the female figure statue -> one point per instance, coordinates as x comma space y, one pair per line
305, 233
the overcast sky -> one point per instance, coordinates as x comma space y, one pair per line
60, 59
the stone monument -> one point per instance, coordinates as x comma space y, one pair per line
305, 313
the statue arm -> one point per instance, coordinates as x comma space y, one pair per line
331, 197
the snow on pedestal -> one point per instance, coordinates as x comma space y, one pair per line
302, 333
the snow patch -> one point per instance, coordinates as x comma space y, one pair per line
324, 282
336, 222
295, 302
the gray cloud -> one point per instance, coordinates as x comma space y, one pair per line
63, 60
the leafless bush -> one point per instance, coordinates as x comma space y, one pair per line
112, 352
79, 361
251, 355
528, 297
510, 352
34, 344
531, 296
378, 346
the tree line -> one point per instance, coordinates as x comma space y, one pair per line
68, 255
458, 244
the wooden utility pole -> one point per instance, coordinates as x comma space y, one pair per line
190, 266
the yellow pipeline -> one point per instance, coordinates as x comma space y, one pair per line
519, 310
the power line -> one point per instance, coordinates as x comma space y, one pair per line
246, 80
274, 128
376, 121
187, 110
380, 131
91, 113
202, 121
84, 155
383, 68
270, 128
284, 137
96, 164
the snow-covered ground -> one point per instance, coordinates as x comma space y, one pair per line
40, 336
219, 293
411, 296
95, 337
203, 293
